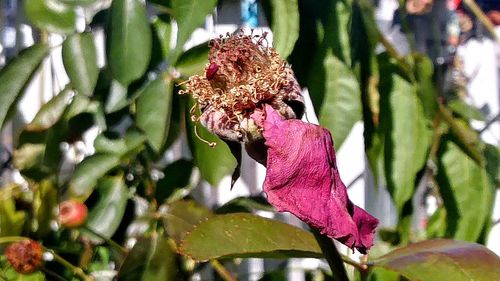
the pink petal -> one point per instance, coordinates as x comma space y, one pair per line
302, 178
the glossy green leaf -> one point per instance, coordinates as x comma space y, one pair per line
75, 3
153, 110
105, 217
341, 107
80, 60
189, 14
426, 90
213, 162
245, 235
245, 204
406, 133
183, 216
51, 15
175, 182
151, 258
11, 220
467, 192
130, 40
163, 29
51, 112
284, 22
443, 260
132, 140
193, 61
88, 172
117, 97
44, 203
16, 75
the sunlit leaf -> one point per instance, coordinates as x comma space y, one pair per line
16, 75
245, 236
341, 107
51, 15
284, 22
105, 217
44, 203
153, 110
189, 14
152, 258
405, 130
465, 110
80, 60
88, 172
11, 220
51, 112
466, 190
130, 40
443, 260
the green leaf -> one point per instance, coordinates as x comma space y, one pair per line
163, 29
466, 190
151, 258
11, 221
183, 216
88, 172
51, 15
245, 236
153, 110
105, 217
465, 110
80, 60
17, 74
117, 97
443, 260
245, 204
189, 14
130, 41
44, 202
341, 107
132, 140
284, 22
404, 127
214, 162
427, 93
13, 275
75, 3
193, 61
177, 176
51, 112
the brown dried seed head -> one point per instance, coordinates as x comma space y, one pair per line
242, 74
25, 256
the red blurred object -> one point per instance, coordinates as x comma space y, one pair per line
72, 213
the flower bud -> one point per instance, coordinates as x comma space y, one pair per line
72, 213
25, 256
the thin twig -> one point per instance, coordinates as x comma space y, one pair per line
482, 18
222, 271
107, 240
74, 269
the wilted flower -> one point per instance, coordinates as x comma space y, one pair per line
25, 256
242, 74
302, 178
72, 213
248, 94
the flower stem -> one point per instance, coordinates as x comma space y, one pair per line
222, 271
332, 256
11, 239
107, 240
75, 270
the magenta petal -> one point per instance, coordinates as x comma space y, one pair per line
302, 178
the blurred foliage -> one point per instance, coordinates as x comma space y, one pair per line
412, 136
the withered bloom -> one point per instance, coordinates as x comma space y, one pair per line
25, 256
302, 178
242, 74
250, 95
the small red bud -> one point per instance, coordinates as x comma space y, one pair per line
212, 70
72, 213
25, 256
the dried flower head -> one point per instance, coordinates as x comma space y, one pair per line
243, 74
25, 256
